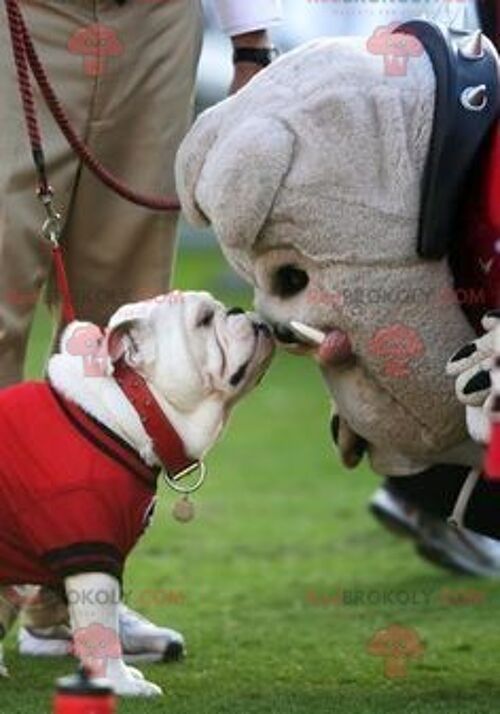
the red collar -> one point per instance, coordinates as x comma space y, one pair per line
167, 443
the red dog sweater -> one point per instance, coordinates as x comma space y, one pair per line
74, 497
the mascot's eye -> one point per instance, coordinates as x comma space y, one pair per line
289, 281
206, 319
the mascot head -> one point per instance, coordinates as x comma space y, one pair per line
313, 179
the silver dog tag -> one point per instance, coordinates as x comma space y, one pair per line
183, 510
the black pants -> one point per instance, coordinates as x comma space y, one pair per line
436, 490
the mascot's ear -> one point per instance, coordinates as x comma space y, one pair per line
232, 183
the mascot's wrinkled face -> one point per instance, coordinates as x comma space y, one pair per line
311, 178
289, 286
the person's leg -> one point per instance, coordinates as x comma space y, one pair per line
419, 507
24, 255
435, 491
46, 611
118, 252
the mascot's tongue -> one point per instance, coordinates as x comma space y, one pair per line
333, 347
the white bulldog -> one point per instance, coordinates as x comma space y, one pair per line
198, 359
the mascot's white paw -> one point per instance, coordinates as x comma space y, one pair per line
478, 423
471, 367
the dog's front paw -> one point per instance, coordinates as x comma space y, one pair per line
133, 686
130, 682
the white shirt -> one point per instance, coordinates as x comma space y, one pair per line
239, 16
455, 13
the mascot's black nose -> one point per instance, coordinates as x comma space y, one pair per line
235, 311
262, 327
284, 334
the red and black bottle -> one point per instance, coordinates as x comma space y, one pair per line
82, 694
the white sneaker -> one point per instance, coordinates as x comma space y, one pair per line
141, 640
460, 550
47, 642
397, 515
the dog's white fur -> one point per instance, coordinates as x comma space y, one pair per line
188, 361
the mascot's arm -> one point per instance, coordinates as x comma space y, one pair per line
471, 366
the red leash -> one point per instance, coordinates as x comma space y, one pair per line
26, 59
51, 230
68, 309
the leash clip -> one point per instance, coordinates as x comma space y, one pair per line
173, 481
52, 227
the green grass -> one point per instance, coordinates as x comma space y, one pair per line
262, 583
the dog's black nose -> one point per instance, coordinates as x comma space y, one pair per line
235, 311
284, 334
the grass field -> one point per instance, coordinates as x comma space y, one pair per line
277, 584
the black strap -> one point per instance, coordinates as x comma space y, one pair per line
263, 56
458, 132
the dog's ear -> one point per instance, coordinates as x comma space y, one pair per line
133, 340
130, 334
228, 174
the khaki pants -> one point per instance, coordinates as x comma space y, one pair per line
132, 109
133, 115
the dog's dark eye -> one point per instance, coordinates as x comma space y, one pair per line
289, 280
207, 319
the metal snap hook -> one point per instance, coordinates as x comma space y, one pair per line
52, 227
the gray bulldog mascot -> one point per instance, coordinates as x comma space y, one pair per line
336, 184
